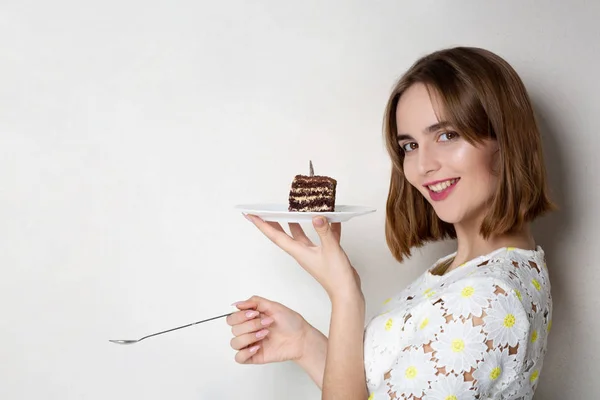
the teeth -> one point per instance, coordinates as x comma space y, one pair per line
438, 187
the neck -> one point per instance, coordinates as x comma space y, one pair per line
471, 244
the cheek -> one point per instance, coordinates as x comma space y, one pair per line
410, 171
464, 156
469, 159
480, 166
474, 164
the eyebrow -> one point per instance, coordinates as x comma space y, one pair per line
430, 129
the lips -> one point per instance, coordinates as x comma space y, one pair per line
439, 190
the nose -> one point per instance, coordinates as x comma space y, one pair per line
427, 161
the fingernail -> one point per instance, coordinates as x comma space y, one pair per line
251, 314
236, 303
266, 321
254, 349
320, 221
248, 217
262, 333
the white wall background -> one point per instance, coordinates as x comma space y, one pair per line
129, 129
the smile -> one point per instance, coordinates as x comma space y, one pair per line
439, 187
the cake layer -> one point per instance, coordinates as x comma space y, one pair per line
298, 203
306, 198
303, 181
323, 208
323, 204
312, 190
312, 193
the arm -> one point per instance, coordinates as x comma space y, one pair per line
313, 356
344, 369
328, 263
322, 356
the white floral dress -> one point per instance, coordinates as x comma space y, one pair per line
477, 332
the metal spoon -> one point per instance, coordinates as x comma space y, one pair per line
170, 330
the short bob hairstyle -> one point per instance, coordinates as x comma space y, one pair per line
482, 97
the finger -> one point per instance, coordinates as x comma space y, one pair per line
245, 356
240, 317
258, 303
336, 228
325, 232
256, 220
253, 325
298, 234
239, 342
276, 226
279, 237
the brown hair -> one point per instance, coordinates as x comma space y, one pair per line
482, 97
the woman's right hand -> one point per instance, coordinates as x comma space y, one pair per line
284, 332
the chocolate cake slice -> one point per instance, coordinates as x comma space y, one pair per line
312, 193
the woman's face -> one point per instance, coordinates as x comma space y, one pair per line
454, 176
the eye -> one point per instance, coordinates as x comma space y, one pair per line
408, 147
447, 136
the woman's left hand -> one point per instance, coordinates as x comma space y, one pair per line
327, 263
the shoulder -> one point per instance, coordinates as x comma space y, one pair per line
523, 272
515, 275
510, 268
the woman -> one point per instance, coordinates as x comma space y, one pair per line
467, 164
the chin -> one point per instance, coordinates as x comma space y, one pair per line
448, 217
449, 220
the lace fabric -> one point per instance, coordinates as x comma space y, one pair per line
476, 332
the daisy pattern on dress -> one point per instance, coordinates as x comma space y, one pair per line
468, 296
534, 284
519, 389
496, 371
514, 254
534, 377
412, 372
460, 346
450, 387
416, 288
428, 322
505, 322
536, 336
386, 341
426, 288
400, 363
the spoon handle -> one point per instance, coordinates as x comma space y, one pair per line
185, 326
